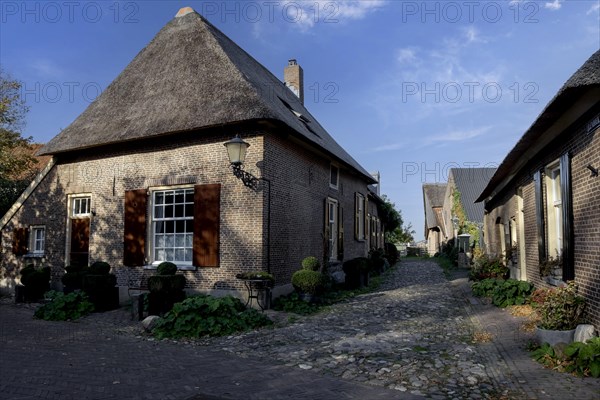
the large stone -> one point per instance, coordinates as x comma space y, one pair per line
150, 322
583, 333
339, 277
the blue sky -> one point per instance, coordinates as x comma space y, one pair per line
409, 88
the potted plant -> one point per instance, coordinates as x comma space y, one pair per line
34, 283
166, 289
560, 310
309, 284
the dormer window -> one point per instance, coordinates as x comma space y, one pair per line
334, 176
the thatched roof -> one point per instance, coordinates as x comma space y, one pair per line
585, 78
191, 76
433, 201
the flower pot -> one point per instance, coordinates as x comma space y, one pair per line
554, 337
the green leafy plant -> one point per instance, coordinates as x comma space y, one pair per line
73, 279
579, 358
561, 308
293, 303
377, 261
391, 253
550, 266
166, 288
202, 315
311, 263
503, 292
488, 267
308, 281
63, 307
260, 275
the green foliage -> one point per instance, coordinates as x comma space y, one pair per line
257, 275
488, 267
37, 281
561, 308
391, 218
391, 253
202, 315
293, 303
308, 281
63, 307
504, 293
166, 283
550, 265
582, 359
99, 268
166, 268
17, 165
311, 263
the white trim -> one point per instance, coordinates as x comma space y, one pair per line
25, 195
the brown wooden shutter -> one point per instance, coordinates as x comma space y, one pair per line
340, 254
207, 219
134, 238
539, 215
567, 217
20, 241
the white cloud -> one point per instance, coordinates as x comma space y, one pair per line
594, 9
458, 136
555, 5
310, 13
407, 55
389, 147
46, 69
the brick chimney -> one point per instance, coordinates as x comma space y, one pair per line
293, 77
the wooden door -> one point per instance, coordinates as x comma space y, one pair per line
80, 242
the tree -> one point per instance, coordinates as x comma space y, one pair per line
17, 165
395, 231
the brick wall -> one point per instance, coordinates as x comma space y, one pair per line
299, 185
584, 149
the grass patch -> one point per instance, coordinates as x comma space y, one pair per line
446, 264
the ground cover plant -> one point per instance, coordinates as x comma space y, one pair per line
64, 307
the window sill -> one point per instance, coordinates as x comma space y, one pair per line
33, 255
554, 281
179, 267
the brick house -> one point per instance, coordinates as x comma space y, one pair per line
142, 176
435, 229
544, 199
468, 184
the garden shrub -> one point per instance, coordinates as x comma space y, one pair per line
488, 267
166, 289
100, 285
311, 263
308, 281
73, 279
503, 292
166, 268
391, 253
293, 303
561, 308
377, 261
63, 307
355, 269
36, 282
202, 315
579, 358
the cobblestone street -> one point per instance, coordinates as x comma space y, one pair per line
411, 338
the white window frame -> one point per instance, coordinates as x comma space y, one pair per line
76, 203
333, 185
361, 216
34, 241
554, 209
152, 224
333, 224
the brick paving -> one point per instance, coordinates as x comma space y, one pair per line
104, 357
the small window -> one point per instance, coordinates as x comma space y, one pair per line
334, 176
81, 207
38, 240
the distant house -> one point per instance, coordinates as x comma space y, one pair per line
142, 176
435, 228
463, 187
544, 200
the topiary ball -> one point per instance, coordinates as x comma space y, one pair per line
311, 263
166, 268
100, 268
